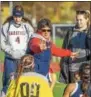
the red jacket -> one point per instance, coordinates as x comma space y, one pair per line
59, 52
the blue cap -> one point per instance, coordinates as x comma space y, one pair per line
18, 13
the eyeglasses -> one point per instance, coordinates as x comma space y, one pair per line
46, 30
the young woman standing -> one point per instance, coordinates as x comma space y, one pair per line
15, 35
77, 40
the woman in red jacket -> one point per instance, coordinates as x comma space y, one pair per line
42, 48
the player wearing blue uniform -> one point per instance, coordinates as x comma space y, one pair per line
81, 88
15, 35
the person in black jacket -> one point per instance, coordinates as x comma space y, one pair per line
77, 40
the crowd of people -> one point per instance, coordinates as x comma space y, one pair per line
27, 50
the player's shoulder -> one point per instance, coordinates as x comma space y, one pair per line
34, 74
27, 24
38, 36
35, 40
70, 87
74, 88
6, 25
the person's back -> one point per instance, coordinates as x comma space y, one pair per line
30, 84
27, 83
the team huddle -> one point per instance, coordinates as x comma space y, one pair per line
28, 54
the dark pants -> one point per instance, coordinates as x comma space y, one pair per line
64, 78
67, 76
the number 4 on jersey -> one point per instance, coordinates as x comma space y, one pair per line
17, 39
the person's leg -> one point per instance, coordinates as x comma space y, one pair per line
64, 74
10, 67
53, 80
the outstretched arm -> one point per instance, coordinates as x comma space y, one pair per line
59, 52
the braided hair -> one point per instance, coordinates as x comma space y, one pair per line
26, 65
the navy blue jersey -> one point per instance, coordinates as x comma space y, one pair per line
78, 91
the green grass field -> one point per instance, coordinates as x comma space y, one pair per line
1, 56
59, 87
58, 90
1, 61
59, 42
